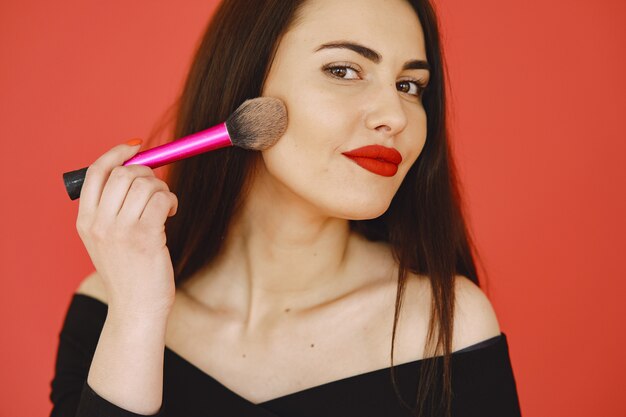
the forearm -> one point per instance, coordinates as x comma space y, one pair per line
127, 366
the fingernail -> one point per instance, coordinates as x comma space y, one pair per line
134, 142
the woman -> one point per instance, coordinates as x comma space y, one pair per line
285, 271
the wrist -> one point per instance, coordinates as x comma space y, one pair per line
137, 320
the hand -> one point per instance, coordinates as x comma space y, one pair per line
121, 221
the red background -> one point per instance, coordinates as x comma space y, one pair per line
538, 89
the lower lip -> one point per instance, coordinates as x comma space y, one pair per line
384, 168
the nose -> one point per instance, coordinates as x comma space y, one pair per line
386, 113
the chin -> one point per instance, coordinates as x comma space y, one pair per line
363, 210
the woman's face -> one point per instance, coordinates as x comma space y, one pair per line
341, 98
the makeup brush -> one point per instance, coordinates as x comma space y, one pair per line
256, 125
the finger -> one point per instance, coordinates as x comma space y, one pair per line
138, 196
117, 187
98, 173
161, 205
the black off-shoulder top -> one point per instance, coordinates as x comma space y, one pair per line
483, 383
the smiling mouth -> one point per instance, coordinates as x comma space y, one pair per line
377, 159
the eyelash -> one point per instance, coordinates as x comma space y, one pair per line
421, 86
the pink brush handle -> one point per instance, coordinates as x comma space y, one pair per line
212, 138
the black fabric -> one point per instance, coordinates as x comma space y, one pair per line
483, 383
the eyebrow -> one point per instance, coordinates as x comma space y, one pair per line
372, 55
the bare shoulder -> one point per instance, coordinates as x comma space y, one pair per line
92, 286
474, 319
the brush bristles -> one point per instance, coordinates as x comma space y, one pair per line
258, 123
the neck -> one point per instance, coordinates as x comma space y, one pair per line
280, 255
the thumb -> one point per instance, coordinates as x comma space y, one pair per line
133, 145
122, 153
119, 154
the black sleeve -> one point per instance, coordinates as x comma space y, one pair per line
70, 394
93, 405
484, 383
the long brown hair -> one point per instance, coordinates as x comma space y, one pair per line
424, 224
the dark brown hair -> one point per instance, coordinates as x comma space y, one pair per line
424, 224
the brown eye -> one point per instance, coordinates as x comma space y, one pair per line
345, 72
414, 88
338, 72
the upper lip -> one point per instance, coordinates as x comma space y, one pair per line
377, 152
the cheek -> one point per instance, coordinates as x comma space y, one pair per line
318, 126
417, 138
306, 159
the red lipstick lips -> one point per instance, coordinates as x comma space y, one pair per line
377, 159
